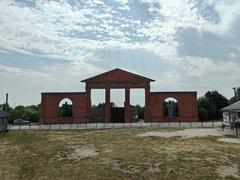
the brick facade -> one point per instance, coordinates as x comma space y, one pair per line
117, 78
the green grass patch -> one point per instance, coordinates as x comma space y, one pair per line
112, 154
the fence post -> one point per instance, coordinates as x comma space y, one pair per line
213, 124
190, 123
201, 124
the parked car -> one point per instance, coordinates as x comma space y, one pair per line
21, 122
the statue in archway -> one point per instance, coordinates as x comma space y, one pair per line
171, 108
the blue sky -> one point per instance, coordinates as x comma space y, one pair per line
182, 44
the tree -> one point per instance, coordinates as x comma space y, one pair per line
5, 107
218, 100
140, 110
66, 110
202, 114
30, 113
236, 96
204, 103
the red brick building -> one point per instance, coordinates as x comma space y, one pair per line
154, 101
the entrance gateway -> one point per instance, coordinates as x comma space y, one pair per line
156, 108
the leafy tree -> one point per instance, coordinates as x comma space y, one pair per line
218, 100
66, 110
202, 114
101, 105
140, 110
236, 97
5, 107
204, 103
30, 113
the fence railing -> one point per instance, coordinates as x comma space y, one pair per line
211, 124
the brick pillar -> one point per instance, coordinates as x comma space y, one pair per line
107, 105
88, 92
127, 105
196, 107
146, 110
42, 107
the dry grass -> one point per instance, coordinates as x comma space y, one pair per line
114, 154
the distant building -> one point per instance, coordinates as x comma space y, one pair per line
231, 114
3, 121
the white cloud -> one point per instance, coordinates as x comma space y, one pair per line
78, 30
58, 28
98, 2
35, 75
5, 52
197, 67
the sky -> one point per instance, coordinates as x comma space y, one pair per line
51, 45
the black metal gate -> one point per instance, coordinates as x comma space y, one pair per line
117, 115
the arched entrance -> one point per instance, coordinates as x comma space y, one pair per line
170, 107
65, 108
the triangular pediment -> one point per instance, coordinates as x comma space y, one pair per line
118, 75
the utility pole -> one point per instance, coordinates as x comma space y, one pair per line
235, 92
7, 98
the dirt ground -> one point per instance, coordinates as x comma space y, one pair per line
116, 154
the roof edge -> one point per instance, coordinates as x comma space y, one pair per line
85, 80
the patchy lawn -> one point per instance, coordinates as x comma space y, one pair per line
115, 154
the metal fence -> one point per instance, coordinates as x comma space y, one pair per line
118, 125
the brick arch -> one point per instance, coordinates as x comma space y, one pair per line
187, 104
50, 108
65, 97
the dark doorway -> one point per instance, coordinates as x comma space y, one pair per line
117, 115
